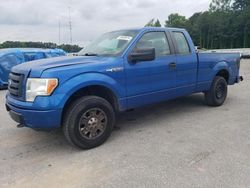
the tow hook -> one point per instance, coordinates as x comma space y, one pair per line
239, 79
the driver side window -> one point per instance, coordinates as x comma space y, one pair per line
155, 40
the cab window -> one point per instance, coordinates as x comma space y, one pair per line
155, 40
181, 42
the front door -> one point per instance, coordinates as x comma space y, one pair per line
151, 81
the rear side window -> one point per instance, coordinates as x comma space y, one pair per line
155, 40
181, 42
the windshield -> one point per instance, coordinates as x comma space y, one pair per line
112, 43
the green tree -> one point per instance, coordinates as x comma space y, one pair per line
150, 23
176, 20
225, 25
153, 23
220, 5
193, 27
17, 44
243, 27
157, 23
240, 4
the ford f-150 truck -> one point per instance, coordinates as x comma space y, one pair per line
119, 71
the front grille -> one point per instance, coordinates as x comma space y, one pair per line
15, 84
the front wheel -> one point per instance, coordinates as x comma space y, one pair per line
217, 94
88, 122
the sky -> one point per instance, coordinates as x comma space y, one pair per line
36, 20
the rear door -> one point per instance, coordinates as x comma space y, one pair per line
151, 81
186, 63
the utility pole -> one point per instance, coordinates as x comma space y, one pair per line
59, 32
70, 26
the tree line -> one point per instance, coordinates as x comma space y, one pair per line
17, 44
226, 24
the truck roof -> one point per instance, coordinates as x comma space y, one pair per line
155, 29
163, 28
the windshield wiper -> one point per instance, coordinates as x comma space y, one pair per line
90, 54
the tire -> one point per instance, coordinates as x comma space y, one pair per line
217, 94
88, 122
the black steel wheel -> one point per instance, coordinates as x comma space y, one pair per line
217, 94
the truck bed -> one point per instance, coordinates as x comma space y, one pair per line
208, 61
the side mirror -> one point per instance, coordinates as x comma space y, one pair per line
142, 54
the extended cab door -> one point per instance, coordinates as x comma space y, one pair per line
186, 63
151, 81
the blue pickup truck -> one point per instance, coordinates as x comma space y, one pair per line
119, 71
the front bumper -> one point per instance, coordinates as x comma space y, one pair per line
46, 119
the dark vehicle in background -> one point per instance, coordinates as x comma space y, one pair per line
10, 57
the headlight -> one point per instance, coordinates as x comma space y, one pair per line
40, 87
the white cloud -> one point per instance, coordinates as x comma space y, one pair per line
35, 20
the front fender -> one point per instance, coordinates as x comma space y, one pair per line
64, 91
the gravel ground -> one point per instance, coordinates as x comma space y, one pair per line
179, 143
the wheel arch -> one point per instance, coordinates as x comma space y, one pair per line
95, 90
222, 69
223, 73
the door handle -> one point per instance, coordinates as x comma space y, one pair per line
172, 65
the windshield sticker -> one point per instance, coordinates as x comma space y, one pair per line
128, 38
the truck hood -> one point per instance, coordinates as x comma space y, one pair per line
36, 68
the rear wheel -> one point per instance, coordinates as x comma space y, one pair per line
217, 93
88, 122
